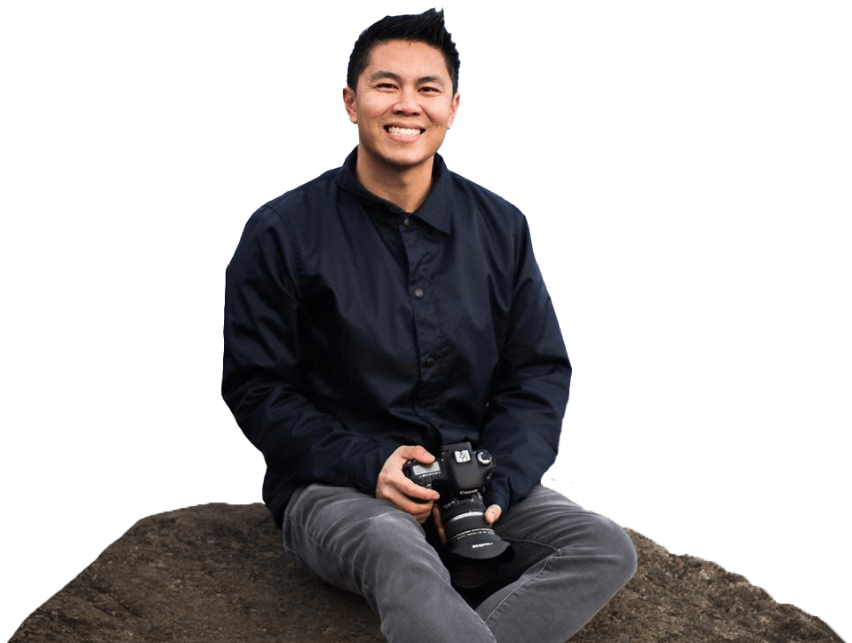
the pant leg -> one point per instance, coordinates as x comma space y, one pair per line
571, 563
367, 546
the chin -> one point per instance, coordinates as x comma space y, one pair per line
406, 161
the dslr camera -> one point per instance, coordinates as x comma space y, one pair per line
459, 475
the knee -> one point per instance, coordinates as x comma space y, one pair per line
618, 550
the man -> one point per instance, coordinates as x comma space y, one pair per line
383, 310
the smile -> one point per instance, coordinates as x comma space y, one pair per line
403, 131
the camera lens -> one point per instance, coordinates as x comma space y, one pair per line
464, 517
468, 534
474, 549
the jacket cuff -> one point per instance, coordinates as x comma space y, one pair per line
497, 493
366, 472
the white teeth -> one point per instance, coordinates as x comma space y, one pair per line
400, 131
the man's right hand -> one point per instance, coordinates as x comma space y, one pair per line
393, 486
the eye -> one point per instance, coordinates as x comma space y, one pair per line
428, 89
387, 86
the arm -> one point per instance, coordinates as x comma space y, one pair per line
530, 390
263, 379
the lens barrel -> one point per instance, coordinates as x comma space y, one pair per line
469, 536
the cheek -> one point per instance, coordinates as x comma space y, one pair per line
443, 116
373, 109
443, 119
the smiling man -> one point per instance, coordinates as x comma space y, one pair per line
403, 102
390, 312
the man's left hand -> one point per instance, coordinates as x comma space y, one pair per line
492, 514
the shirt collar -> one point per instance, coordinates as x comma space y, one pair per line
436, 209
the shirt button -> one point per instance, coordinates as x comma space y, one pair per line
418, 292
430, 362
407, 222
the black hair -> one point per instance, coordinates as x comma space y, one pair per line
425, 27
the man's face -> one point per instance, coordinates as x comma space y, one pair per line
403, 105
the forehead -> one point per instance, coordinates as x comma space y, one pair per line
408, 59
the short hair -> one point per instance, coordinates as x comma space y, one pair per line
425, 27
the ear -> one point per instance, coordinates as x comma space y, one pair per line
349, 103
454, 108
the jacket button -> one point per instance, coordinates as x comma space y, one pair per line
430, 362
418, 292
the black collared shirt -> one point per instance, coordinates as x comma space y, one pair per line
352, 328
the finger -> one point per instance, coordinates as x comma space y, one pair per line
412, 505
439, 525
492, 514
415, 491
410, 488
413, 452
396, 481
406, 504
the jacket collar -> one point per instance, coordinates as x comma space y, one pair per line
436, 209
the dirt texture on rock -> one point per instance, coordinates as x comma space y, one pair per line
216, 573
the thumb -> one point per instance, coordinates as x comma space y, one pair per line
415, 453
493, 513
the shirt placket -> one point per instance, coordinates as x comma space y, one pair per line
420, 251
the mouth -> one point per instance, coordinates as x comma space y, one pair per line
403, 131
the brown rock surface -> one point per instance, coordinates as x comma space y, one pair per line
216, 573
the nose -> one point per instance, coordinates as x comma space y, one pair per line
407, 103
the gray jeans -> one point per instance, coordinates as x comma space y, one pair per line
569, 563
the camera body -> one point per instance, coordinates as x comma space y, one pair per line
460, 474
459, 469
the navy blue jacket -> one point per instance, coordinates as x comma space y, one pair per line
352, 328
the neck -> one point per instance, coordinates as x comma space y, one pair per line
406, 187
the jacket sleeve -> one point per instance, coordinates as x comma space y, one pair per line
530, 390
263, 375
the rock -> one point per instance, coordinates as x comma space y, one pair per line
216, 573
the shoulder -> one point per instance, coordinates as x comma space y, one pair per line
278, 227
473, 200
299, 203
490, 202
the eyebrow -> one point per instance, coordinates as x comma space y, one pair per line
396, 77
